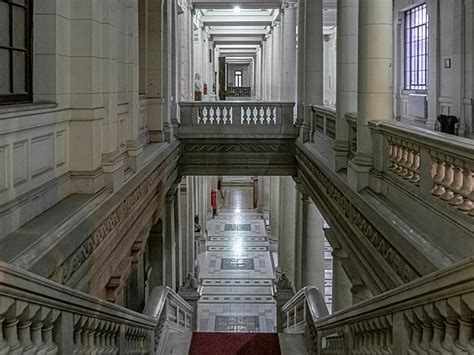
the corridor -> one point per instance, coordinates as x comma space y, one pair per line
237, 272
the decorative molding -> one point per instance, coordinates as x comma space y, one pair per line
393, 258
66, 270
237, 148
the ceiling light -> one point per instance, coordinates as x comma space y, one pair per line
237, 9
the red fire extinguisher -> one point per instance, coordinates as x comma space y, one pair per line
214, 202
205, 88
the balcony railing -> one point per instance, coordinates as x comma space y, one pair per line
323, 121
234, 91
437, 167
40, 316
236, 119
431, 315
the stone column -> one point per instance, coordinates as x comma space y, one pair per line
313, 245
301, 75
375, 77
276, 62
346, 87
341, 285
287, 226
183, 227
275, 206
258, 74
288, 88
178, 247
169, 242
190, 212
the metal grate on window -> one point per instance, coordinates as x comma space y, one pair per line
416, 48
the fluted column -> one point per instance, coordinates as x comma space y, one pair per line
301, 59
288, 88
375, 77
346, 87
276, 62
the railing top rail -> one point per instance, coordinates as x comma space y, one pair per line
455, 280
235, 103
436, 140
157, 301
314, 299
20, 284
322, 108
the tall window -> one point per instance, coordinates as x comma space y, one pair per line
15, 50
416, 48
238, 78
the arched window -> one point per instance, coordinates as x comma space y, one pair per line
15, 50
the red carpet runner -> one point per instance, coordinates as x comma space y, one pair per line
235, 344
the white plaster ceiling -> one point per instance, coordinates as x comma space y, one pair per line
238, 27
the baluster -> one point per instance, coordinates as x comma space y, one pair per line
262, 114
415, 169
393, 156
10, 327
457, 185
199, 113
224, 115
269, 116
78, 334
3, 343
250, 118
37, 330
205, 113
51, 347
409, 162
211, 115
403, 160
24, 328
467, 191
398, 158
218, 115
447, 182
438, 189
274, 119
450, 324
231, 112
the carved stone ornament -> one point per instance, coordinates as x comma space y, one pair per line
284, 283
64, 272
393, 258
237, 148
190, 283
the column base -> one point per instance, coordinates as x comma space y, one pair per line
358, 172
87, 182
135, 155
114, 170
341, 151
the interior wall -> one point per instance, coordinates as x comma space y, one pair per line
231, 68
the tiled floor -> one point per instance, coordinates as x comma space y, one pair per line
236, 270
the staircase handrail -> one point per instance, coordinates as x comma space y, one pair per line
38, 314
432, 314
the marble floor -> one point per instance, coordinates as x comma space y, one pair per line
236, 270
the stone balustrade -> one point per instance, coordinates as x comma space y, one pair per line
431, 315
38, 316
227, 119
434, 165
300, 312
323, 120
352, 134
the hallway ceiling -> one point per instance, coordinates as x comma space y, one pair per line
239, 27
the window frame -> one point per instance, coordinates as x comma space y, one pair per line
27, 97
238, 78
414, 58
